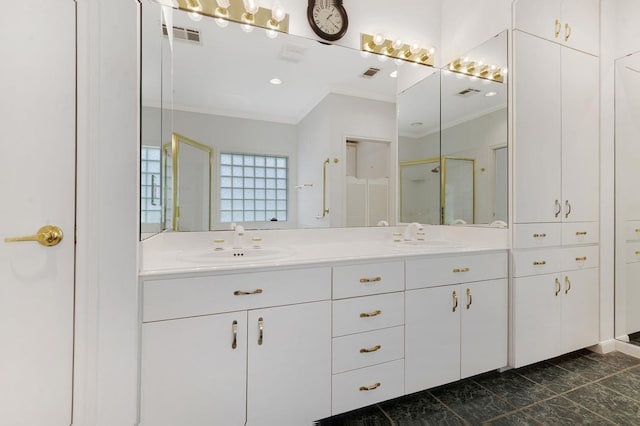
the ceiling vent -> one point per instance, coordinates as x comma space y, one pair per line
292, 53
468, 92
370, 72
186, 34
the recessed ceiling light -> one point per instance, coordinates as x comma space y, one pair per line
394, 74
489, 94
417, 124
275, 81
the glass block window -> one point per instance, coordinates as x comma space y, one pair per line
150, 203
253, 188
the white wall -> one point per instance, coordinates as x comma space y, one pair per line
427, 146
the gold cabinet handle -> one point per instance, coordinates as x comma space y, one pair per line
581, 233
558, 208
370, 280
558, 286
567, 206
539, 262
567, 31
568, 283
455, 301
469, 298
638, 230
370, 314
461, 270
637, 251
234, 328
558, 27
539, 235
581, 259
48, 235
369, 350
260, 330
247, 293
370, 388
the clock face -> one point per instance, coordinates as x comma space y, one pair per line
328, 19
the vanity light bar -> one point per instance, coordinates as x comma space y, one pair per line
236, 12
396, 50
477, 69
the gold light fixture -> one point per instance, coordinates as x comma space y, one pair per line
397, 49
246, 12
477, 69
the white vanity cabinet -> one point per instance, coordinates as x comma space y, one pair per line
368, 334
573, 23
556, 132
267, 361
629, 292
456, 318
555, 297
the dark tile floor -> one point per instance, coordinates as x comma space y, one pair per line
580, 388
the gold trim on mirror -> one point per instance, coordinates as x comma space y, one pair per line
270, 19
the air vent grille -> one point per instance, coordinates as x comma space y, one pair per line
370, 72
181, 33
468, 92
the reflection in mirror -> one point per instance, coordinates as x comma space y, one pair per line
474, 127
627, 149
419, 151
458, 190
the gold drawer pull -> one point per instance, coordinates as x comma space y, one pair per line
581, 259
637, 251
580, 233
246, 293
370, 388
370, 280
539, 262
539, 235
373, 349
370, 314
461, 270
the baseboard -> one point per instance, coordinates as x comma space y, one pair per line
603, 347
628, 348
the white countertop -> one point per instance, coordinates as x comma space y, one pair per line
178, 253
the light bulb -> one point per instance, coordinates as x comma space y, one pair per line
431, 50
398, 62
250, 6
271, 33
277, 12
504, 71
415, 48
246, 28
394, 74
397, 44
222, 23
365, 54
195, 16
223, 3
378, 39
382, 58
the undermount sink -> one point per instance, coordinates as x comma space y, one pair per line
427, 244
229, 256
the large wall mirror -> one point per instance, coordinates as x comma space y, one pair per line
303, 134
627, 258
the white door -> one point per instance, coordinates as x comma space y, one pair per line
194, 371
580, 309
539, 17
500, 185
432, 337
538, 129
581, 25
289, 365
37, 173
580, 136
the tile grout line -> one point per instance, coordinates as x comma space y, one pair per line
391, 421
447, 407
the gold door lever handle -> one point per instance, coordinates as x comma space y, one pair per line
48, 235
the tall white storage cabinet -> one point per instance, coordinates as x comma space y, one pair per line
555, 75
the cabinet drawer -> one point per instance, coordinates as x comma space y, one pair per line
184, 297
533, 235
366, 386
366, 349
536, 262
632, 252
632, 230
580, 257
451, 270
367, 313
580, 233
370, 278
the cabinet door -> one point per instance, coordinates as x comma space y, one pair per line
580, 309
583, 20
538, 129
192, 373
537, 308
289, 368
539, 17
432, 337
580, 136
484, 328
631, 313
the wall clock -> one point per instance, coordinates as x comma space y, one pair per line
328, 18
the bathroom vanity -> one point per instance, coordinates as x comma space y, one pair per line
321, 328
